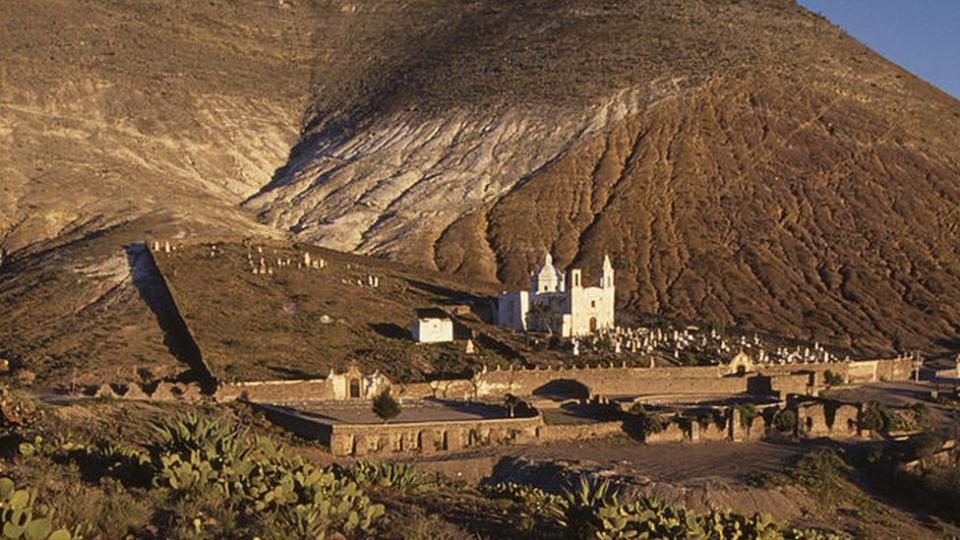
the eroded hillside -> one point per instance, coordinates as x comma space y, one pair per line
112, 110
742, 161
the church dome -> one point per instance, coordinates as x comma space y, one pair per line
548, 278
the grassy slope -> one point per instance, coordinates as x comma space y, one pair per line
252, 327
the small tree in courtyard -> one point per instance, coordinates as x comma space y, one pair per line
386, 406
511, 402
832, 379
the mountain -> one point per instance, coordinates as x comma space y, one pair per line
742, 161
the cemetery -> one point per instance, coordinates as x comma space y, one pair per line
560, 369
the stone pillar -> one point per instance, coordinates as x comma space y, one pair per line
737, 432
428, 441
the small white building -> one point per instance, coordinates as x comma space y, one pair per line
432, 326
561, 303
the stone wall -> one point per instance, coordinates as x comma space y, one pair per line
828, 419
426, 438
579, 432
895, 369
277, 391
162, 391
605, 381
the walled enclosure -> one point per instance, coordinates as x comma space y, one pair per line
816, 419
576, 382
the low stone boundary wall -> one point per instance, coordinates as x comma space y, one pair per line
162, 391
277, 391
579, 432
426, 438
829, 419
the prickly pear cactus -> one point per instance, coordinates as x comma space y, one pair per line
19, 519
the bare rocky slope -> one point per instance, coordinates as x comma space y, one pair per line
742, 161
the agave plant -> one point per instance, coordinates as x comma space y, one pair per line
583, 505
396, 476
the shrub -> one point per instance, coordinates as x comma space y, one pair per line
871, 417
768, 479
536, 507
877, 417
785, 421
386, 406
832, 379
921, 414
16, 411
648, 423
748, 412
820, 472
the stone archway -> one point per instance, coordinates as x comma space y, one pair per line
355, 388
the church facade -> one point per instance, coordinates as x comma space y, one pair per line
560, 304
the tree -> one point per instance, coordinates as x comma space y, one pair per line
511, 402
833, 379
785, 421
386, 406
546, 315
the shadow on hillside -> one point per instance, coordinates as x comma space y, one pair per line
294, 373
390, 330
146, 277
445, 292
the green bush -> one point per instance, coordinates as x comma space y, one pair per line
832, 379
877, 417
748, 413
647, 422
820, 472
537, 508
785, 421
386, 406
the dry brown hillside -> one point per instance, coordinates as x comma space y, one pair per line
742, 160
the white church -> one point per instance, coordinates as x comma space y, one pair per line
560, 303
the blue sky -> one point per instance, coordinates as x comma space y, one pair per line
922, 36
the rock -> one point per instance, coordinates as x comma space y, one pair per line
25, 376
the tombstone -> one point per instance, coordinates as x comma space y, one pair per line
165, 392
156, 245
617, 349
105, 391
134, 391
166, 246
470, 348
576, 348
191, 392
